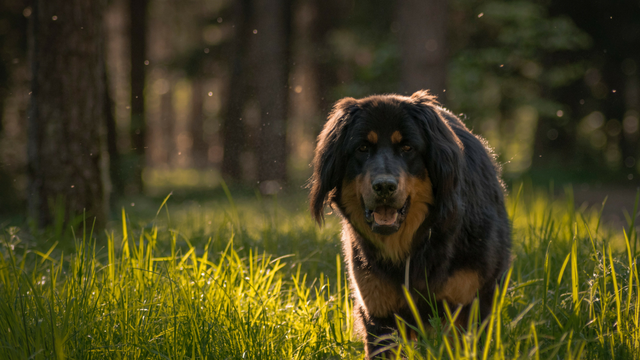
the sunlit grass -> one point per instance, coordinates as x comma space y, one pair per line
253, 279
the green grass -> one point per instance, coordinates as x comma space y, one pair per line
257, 279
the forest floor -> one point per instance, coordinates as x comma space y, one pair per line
215, 276
620, 202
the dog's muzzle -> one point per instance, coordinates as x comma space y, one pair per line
385, 219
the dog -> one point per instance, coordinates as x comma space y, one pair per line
422, 206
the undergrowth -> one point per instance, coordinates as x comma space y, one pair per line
254, 280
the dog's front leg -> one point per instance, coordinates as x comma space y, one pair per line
376, 333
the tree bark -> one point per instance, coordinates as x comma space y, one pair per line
168, 123
66, 114
422, 37
138, 44
326, 18
273, 38
115, 172
3, 96
232, 125
630, 141
199, 147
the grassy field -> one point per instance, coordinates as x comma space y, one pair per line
252, 278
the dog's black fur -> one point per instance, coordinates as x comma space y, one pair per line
440, 204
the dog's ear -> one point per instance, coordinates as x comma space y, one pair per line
443, 157
329, 160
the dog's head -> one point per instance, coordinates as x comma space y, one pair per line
387, 162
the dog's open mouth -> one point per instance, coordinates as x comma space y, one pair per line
385, 219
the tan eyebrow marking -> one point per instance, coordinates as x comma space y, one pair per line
372, 137
396, 137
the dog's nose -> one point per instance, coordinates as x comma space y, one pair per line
385, 186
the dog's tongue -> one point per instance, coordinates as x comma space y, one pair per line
385, 215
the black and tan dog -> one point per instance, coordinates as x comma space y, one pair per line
422, 205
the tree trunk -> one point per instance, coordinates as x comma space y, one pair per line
66, 114
630, 141
326, 18
422, 36
200, 147
168, 123
138, 44
3, 96
273, 37
232, 125
115, 172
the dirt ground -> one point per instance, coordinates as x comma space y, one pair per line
620, 200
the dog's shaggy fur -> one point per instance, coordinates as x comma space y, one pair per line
422, 204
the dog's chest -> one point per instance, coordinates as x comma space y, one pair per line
383, 296
380, 297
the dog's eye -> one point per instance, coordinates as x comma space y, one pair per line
407, 148
363, 148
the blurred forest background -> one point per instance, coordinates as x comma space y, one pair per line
184, 93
